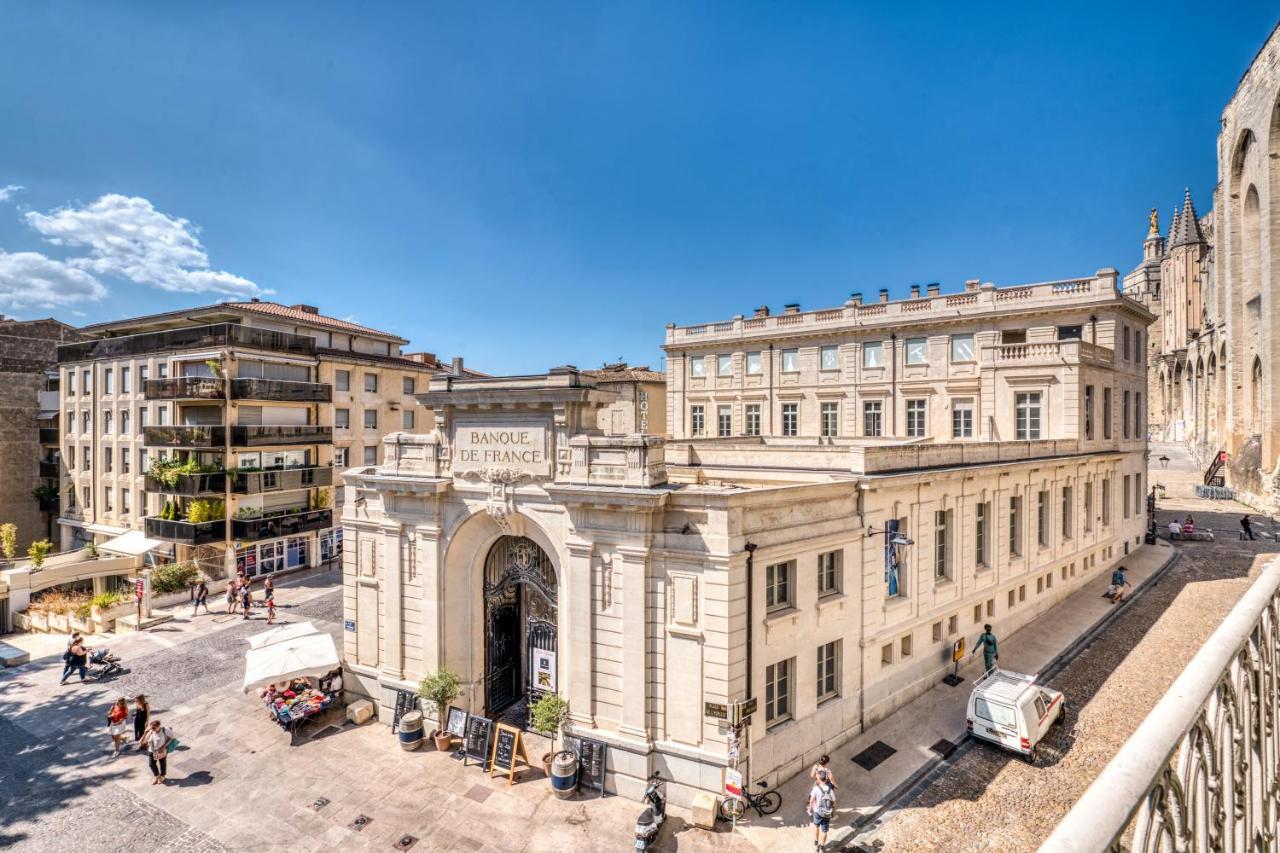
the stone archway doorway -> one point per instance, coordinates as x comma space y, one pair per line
520, 594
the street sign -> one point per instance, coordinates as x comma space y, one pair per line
732, 783
715, 710
957, 650
740, 711
349, 624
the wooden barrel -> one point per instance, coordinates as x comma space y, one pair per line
411, 730
564, 774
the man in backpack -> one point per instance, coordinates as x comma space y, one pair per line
822, 805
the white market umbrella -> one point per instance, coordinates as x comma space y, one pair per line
280, 633
311, 655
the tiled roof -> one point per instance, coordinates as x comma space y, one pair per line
393, 360
625, 373
289, 312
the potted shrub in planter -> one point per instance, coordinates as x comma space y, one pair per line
546, 717
441, 687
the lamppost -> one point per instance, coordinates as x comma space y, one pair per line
1164, 461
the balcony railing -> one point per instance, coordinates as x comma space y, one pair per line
184, 436
50, 470
216, 335
283, 480
184, 388
48, 435
189, 484
254, 529
1200, 773
186, 533
281, 390
265, 436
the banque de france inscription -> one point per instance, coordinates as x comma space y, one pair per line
518, 446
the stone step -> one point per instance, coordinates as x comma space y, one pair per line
13, 656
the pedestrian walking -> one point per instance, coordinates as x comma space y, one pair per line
268, 588
1247, 525
271, 609
824, 766
233, 596
141, 714
1189, 526
75, 637
76, 656
202, 597
1118, 582
822, 805
987, 645
156, 741
246, 599
116, 723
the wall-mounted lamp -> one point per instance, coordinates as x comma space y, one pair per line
898, 539
1164, 461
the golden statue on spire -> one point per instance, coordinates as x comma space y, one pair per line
1153, 222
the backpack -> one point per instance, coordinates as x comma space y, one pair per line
826, 803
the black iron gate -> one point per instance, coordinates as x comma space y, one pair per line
520, 615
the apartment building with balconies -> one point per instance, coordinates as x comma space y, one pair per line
213, 431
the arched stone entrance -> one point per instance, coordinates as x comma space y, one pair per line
520, 603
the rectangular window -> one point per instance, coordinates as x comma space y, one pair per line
1124, 416
340, 457
790, 418
724, 421
886, 654
406, 421
873, 354
698, 420
777, 592
1042, 518
1015, 526
69, 420
71, 383
125, 427
371, 456
86, 422
126, 501
106, 499
162, 370
409, 385
144, 459
106, 423
126, 386
961, 348
962, 419
941, 544
1137, 494
84, 497
1088, 411
86, 387
1068, 521
162, 415
108, 460
1137, 414
1139, 353
1128, 353
982, 511
371, 382
1106, 501
1124, 499
1028, 417
342, 380
125, 460
791, 361
697, 367
143, 372
830, 419
143, 411
370, 418
872, 418
917, 350
830, 358
1106, 413
724, 365
752, 426
915, 419
829, 573
1088, 505
777, 692
754, 365
828, 671
107, 384
342, 419
1070, 333
904, 647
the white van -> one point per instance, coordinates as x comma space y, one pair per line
1010, 709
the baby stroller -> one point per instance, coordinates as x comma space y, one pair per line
102, 663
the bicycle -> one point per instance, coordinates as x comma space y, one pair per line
765, 803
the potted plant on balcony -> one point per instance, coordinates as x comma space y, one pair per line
320, 499
37, 551
441, 687
546, 717
9, 540
215, 367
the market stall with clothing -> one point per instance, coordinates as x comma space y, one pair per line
296, 670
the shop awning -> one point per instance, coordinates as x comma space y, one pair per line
132, 544
310, 655
281, 633
105, 529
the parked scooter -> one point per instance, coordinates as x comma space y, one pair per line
651, 819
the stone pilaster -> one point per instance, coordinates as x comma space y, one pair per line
635, 660
576, 665
393, 602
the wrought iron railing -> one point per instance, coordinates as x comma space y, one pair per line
1201, 771
254, 529
184, 388
184, 532
262, 436
184, 436
194, 337
281, 390
282, 480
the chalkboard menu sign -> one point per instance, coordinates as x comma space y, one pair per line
508, 748
405, 702
457, 722
475, 746
592, 755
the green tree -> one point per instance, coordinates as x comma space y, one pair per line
38, 551
9, 540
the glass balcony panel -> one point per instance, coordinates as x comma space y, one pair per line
282, 480
266, 436
185, 436
290, 524
281, 390
217, 335
48, 435
184, 388
189, 484
186, 533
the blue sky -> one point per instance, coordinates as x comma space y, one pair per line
533, 184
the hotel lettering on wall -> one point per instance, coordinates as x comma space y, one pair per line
513, 445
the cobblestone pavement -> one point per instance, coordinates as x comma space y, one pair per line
990, 800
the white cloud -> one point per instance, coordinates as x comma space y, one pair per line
128, 238
7, 192
31, 280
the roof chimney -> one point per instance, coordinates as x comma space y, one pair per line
254, 299
884, 294
856, 298
971, 284
456, 367
762, 311
791, 308
305, 309
421, 357
934, 289
915, 291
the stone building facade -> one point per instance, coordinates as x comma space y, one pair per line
641, 402
1214, 284
28, 351
821, 556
